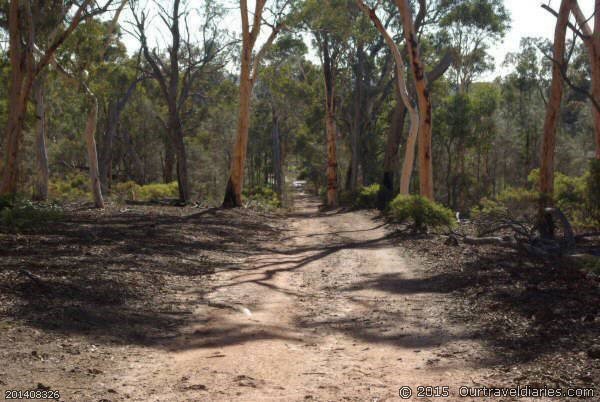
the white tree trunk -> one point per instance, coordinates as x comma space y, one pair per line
90, 132
409, 158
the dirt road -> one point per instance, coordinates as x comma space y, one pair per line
331, 312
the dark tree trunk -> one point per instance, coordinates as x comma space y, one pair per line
330, 125
43, 171
277, 158
181, 161
391, 160
169, 161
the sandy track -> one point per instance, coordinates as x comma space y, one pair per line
332, 312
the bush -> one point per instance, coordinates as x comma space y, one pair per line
578, 197
519, 201
263, 196
158, 191
366, 198
422, 212
74, 187
127, 190
489, 209
23, 214
132, 191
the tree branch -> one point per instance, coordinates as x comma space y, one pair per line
571, 26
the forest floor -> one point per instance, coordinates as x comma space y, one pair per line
148, 303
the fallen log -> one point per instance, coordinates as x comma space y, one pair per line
499, 241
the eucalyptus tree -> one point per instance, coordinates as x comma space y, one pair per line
182, 65
551, 121
427, 19
590, 35
329, 23
525, 90
85, 50
471, 27
29, 57
250, 64
404, 95
284, 90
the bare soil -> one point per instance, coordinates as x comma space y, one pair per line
151, 303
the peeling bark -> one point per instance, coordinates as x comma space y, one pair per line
408, 163
90, 132
424, 102
249, 70
330, 127
552, 114
24, 71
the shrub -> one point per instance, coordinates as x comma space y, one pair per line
22, 214
157, 191
74, 187
263, 196
130, 190
576, 196
366, 198
422, 212
519, 201
489, 209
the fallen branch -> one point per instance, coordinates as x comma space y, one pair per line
515, 226
36, 279
499, 241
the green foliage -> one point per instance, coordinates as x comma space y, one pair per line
590, 263
518, 201
158, 191
489, 209
127, 190
576, 196
366, 198
422, 212
20, 214
132, 191
263, 196
74, 187
513, 203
